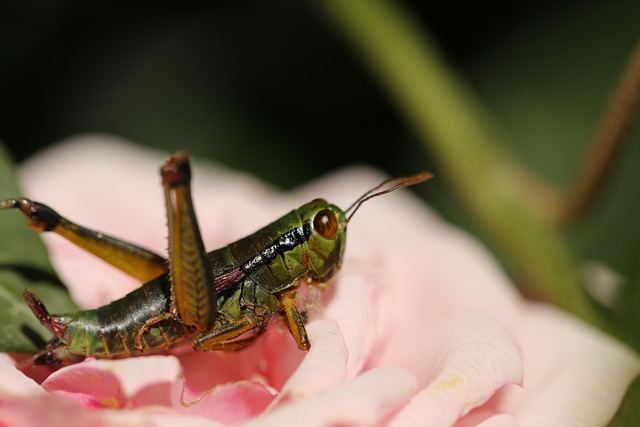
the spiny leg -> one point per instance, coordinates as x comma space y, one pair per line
193, 289
295, 320
138, 262
137, 342
237, 343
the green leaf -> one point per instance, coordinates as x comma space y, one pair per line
24, 263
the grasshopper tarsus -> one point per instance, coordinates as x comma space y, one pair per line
42, 217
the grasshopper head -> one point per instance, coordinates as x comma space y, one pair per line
326, 238
329, 224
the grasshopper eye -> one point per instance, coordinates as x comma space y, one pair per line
326, 224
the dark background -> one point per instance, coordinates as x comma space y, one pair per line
272, 88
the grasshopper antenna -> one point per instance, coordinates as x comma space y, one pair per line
392, 184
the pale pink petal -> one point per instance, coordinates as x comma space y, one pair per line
229, 403
281, 356
474, 357
91, 385
351, 307
206, 370
500, 420
15, 383
154, 418
115, 383
56, 411
46, 410
575, 375
362, 401
89, 401
422, 283
324, 367
486, 417
271, 359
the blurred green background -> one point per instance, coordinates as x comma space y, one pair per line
278, 89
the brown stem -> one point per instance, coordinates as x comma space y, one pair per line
606, 144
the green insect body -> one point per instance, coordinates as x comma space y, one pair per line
220, 300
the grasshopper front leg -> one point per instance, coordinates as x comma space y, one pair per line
294, 319
232, 336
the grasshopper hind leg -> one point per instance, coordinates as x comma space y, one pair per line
56, 352
134, 260
193, 292
51, 322
236, 334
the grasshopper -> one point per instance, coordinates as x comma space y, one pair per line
221, 300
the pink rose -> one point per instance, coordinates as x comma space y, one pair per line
420, 327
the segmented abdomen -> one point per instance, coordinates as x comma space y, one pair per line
109, 332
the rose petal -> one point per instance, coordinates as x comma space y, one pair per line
325, 366
15, 383
87, 400
55, 411
487, 417
351, 308
114, 383
575, 375
87, 381
206, 370
500, 420
361, 401
145, 418
475, 357
230, 403
281, 356
46, 410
